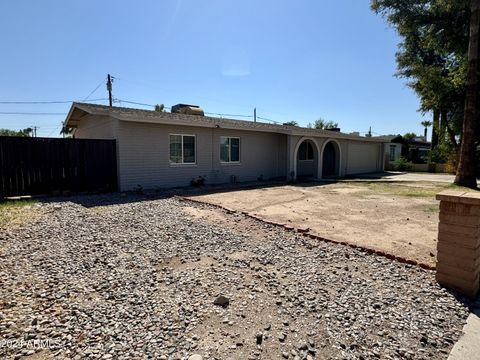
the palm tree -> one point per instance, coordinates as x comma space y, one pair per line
426, 124
466, 174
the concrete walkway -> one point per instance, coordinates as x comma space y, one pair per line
401, 176
468, 347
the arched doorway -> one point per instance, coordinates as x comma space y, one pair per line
330, 160
307, 160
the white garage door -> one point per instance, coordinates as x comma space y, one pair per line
362, 158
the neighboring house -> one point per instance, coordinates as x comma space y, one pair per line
418, 149
393, 148
413, 150
158, 149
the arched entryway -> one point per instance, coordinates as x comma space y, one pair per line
307, 160
330, 159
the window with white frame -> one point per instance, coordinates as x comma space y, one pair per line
182, 149
305, 151
229, 149
392, 152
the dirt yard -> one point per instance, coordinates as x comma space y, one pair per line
399, 218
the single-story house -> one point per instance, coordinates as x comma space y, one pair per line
418, 149
393, 148
160, 149
414, 150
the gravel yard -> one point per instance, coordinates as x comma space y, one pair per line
112, 277
400, 218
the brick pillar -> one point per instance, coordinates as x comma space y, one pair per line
458, 248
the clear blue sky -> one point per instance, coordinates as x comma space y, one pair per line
293, 60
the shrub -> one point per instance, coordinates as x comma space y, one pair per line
138, 189
401, 164
440, 154
451, 164
200, 181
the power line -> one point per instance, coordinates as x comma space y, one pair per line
54, 130
262, 118
30, 113
46, 102
96, 88
136, 103
231, 115
167, 107
144, 84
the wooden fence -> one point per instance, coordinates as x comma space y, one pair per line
33, 166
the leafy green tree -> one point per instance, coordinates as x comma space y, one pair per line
410, 136
160, 107
324, 124
439, 55
23, 133
432, 56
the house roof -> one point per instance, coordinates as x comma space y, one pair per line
79, 110
390, 138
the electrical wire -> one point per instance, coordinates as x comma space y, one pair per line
96, 88
46, 102
262, 118
135, 103
55, 129
167, 107
30, 113
144, 84
231, 115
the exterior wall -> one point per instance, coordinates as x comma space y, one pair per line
144, 156
352, 157
434, 168
363, 157
96, 127
398, 151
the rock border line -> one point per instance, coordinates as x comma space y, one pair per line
306, 232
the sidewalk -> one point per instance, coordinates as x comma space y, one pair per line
468, 347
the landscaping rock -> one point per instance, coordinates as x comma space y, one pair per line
121, 277
221, 301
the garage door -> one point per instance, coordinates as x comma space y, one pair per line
362, 158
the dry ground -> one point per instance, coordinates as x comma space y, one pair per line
133, 277
400, 218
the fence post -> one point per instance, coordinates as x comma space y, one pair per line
458, 247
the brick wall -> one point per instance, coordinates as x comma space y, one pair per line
458, 255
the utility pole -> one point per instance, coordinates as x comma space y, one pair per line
109, 88
254, 114
34, 131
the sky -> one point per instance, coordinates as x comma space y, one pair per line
291, 59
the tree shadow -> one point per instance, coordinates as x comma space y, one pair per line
373, 176
117, 198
